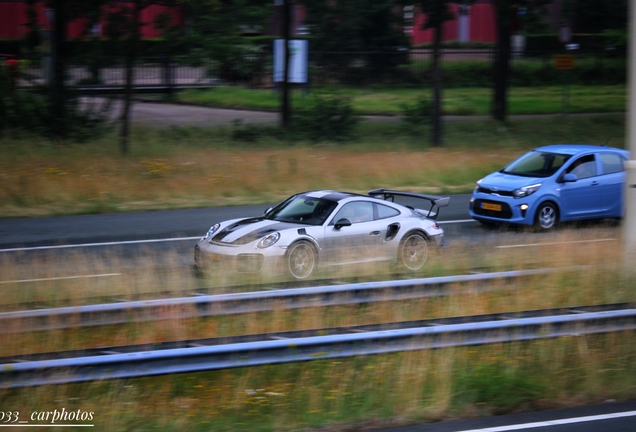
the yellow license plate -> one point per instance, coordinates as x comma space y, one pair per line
493, 207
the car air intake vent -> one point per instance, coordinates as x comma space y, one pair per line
494, 192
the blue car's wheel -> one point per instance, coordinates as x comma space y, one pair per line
301, 259
547, 216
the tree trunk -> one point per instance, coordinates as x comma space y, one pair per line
437, 88
59, 122
501, 65
130, 68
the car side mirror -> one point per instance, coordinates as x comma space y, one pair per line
268, 210
569, 178
343, 222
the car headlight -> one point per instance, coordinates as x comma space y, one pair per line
477, 184
268, 240
211, 231
526, 190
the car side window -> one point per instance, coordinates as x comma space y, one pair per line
386, 211
583, 167
612, 163
357, 211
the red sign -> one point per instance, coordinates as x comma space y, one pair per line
564, 61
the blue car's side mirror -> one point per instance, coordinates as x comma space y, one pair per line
569, 178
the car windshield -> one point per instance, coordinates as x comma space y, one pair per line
536, 164
302, 209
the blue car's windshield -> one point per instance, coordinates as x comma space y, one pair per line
302, 209
536, 164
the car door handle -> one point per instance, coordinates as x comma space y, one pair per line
374, 233
595, 183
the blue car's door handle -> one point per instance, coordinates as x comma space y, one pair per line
595, 183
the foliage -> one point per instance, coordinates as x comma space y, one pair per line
418, 113
215, 30
31, 112
360, 27
326, 118
501, 389
596, 16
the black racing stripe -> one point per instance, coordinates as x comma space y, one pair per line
253, 235
337, 196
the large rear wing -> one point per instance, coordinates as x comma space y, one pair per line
389, 195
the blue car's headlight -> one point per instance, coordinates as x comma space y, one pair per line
526, 190
211, 231
268, 240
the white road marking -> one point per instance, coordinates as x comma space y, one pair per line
99, 244
456, 221
61, 278
553, 243
554, 422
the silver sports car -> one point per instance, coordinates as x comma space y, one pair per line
324, 228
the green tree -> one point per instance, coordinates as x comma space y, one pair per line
507, 16
370, 28
596, 16
215, 29
437, 13
59, 98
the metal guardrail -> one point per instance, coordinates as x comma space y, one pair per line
434, 335
259, 301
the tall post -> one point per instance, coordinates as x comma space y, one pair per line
286, 31
629, 219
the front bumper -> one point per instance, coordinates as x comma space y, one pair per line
501, 209
239, 262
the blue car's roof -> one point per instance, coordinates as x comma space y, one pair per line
572, 149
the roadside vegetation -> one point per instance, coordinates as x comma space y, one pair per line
185, 167
383, 390
181, 167
546, 99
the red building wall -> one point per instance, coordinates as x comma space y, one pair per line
13, 19
481, 24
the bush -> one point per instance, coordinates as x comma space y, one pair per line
418, 113
32, 112
326, 118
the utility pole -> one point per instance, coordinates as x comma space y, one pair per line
286, 34
629, 218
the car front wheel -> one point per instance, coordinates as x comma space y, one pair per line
413, 251
547, 216
301, 259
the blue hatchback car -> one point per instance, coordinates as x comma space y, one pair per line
551, 184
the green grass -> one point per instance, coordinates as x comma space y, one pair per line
456, 101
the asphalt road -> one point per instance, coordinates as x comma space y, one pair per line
29, 232
156, 114
610, 416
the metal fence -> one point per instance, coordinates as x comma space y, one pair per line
399, 68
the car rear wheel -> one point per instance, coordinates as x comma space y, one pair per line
413, 251
547, 216
301, 259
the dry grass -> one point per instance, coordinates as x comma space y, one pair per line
376, 391
40, 187
386, 390
600, 283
